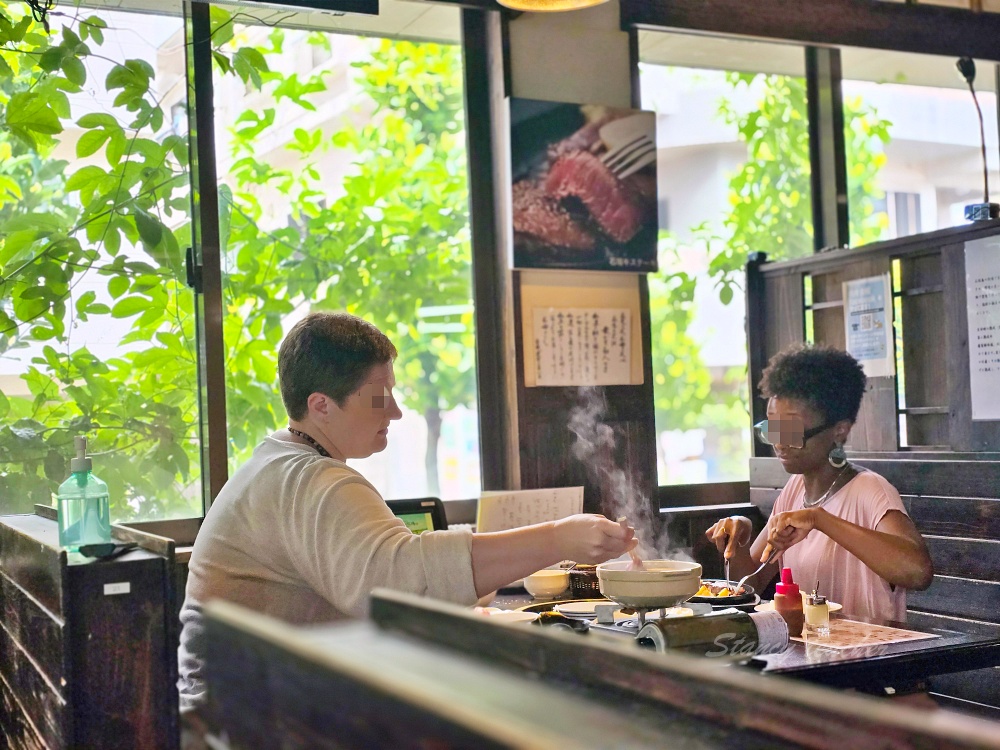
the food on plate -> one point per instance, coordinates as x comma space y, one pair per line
714, 590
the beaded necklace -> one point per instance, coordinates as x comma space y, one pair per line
312, 441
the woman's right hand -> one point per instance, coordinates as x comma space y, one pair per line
730, 533
590, 538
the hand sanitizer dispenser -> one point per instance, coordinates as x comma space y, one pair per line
83, 504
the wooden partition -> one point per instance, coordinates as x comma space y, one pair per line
428, 674
88, 649
945, 465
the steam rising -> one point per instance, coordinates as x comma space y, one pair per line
620, 494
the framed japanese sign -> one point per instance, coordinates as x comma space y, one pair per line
580, 329
583, 186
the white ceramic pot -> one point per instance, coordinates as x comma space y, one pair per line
664, 583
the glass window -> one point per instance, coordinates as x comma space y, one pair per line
733, 167
97, 327
343, 187
912, 138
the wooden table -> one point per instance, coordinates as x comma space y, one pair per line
960, 647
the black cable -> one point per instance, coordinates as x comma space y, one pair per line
967, 67
982, 142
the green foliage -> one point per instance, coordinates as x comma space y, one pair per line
769, 210
393, 246
103, 225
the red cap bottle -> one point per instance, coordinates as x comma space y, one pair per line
788, 586
788, 602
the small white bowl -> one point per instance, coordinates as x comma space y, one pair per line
547, 583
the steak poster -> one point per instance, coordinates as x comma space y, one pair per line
584, 186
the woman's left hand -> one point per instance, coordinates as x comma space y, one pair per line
787, 529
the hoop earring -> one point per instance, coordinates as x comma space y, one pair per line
837, 456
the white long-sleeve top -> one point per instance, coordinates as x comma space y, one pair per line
305, 539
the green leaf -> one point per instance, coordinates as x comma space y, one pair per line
97, 120
117, 286
85, 300
150, 228
128, 306
90, 142
82, 177
4, 405
75, 70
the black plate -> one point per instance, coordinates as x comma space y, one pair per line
746, 597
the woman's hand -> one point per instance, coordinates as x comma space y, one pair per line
787, 529
730, 533
590, 538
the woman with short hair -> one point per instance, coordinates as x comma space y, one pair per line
297, 534
833, 522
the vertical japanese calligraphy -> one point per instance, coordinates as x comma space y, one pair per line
575, 347
982, 290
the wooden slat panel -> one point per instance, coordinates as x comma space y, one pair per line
970, 517
123, 664
966, 435
38, 631
923, 342
30, 556
710, 493
928, 429
926, 29
965, 558
920, 271
980, 685
960, 597
15, 729
38, 699
876, 428
968, 479
783, 311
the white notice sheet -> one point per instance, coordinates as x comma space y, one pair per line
868, 323
499, 511
982, 291
582, 347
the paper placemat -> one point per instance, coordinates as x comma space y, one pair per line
853, 634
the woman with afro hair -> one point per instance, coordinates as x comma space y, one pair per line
833, 522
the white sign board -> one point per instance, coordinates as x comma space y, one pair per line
982, 294
577, 347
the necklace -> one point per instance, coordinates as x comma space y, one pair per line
312, 441
826, 495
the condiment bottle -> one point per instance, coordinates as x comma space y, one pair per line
817, 615
788, 602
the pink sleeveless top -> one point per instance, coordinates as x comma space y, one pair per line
843, 577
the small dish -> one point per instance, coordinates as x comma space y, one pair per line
505, 615
546, 583
578, 609
768, 606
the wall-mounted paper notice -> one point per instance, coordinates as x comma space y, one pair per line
582, 347
499, 511
868, 322
982, 293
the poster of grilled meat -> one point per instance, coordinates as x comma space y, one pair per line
584, 186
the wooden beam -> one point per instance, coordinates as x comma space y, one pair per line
925, 29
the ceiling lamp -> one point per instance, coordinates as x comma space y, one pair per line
549, 6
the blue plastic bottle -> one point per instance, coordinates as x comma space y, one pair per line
83, 504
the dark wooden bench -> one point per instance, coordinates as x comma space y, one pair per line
955, 504
88, 650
